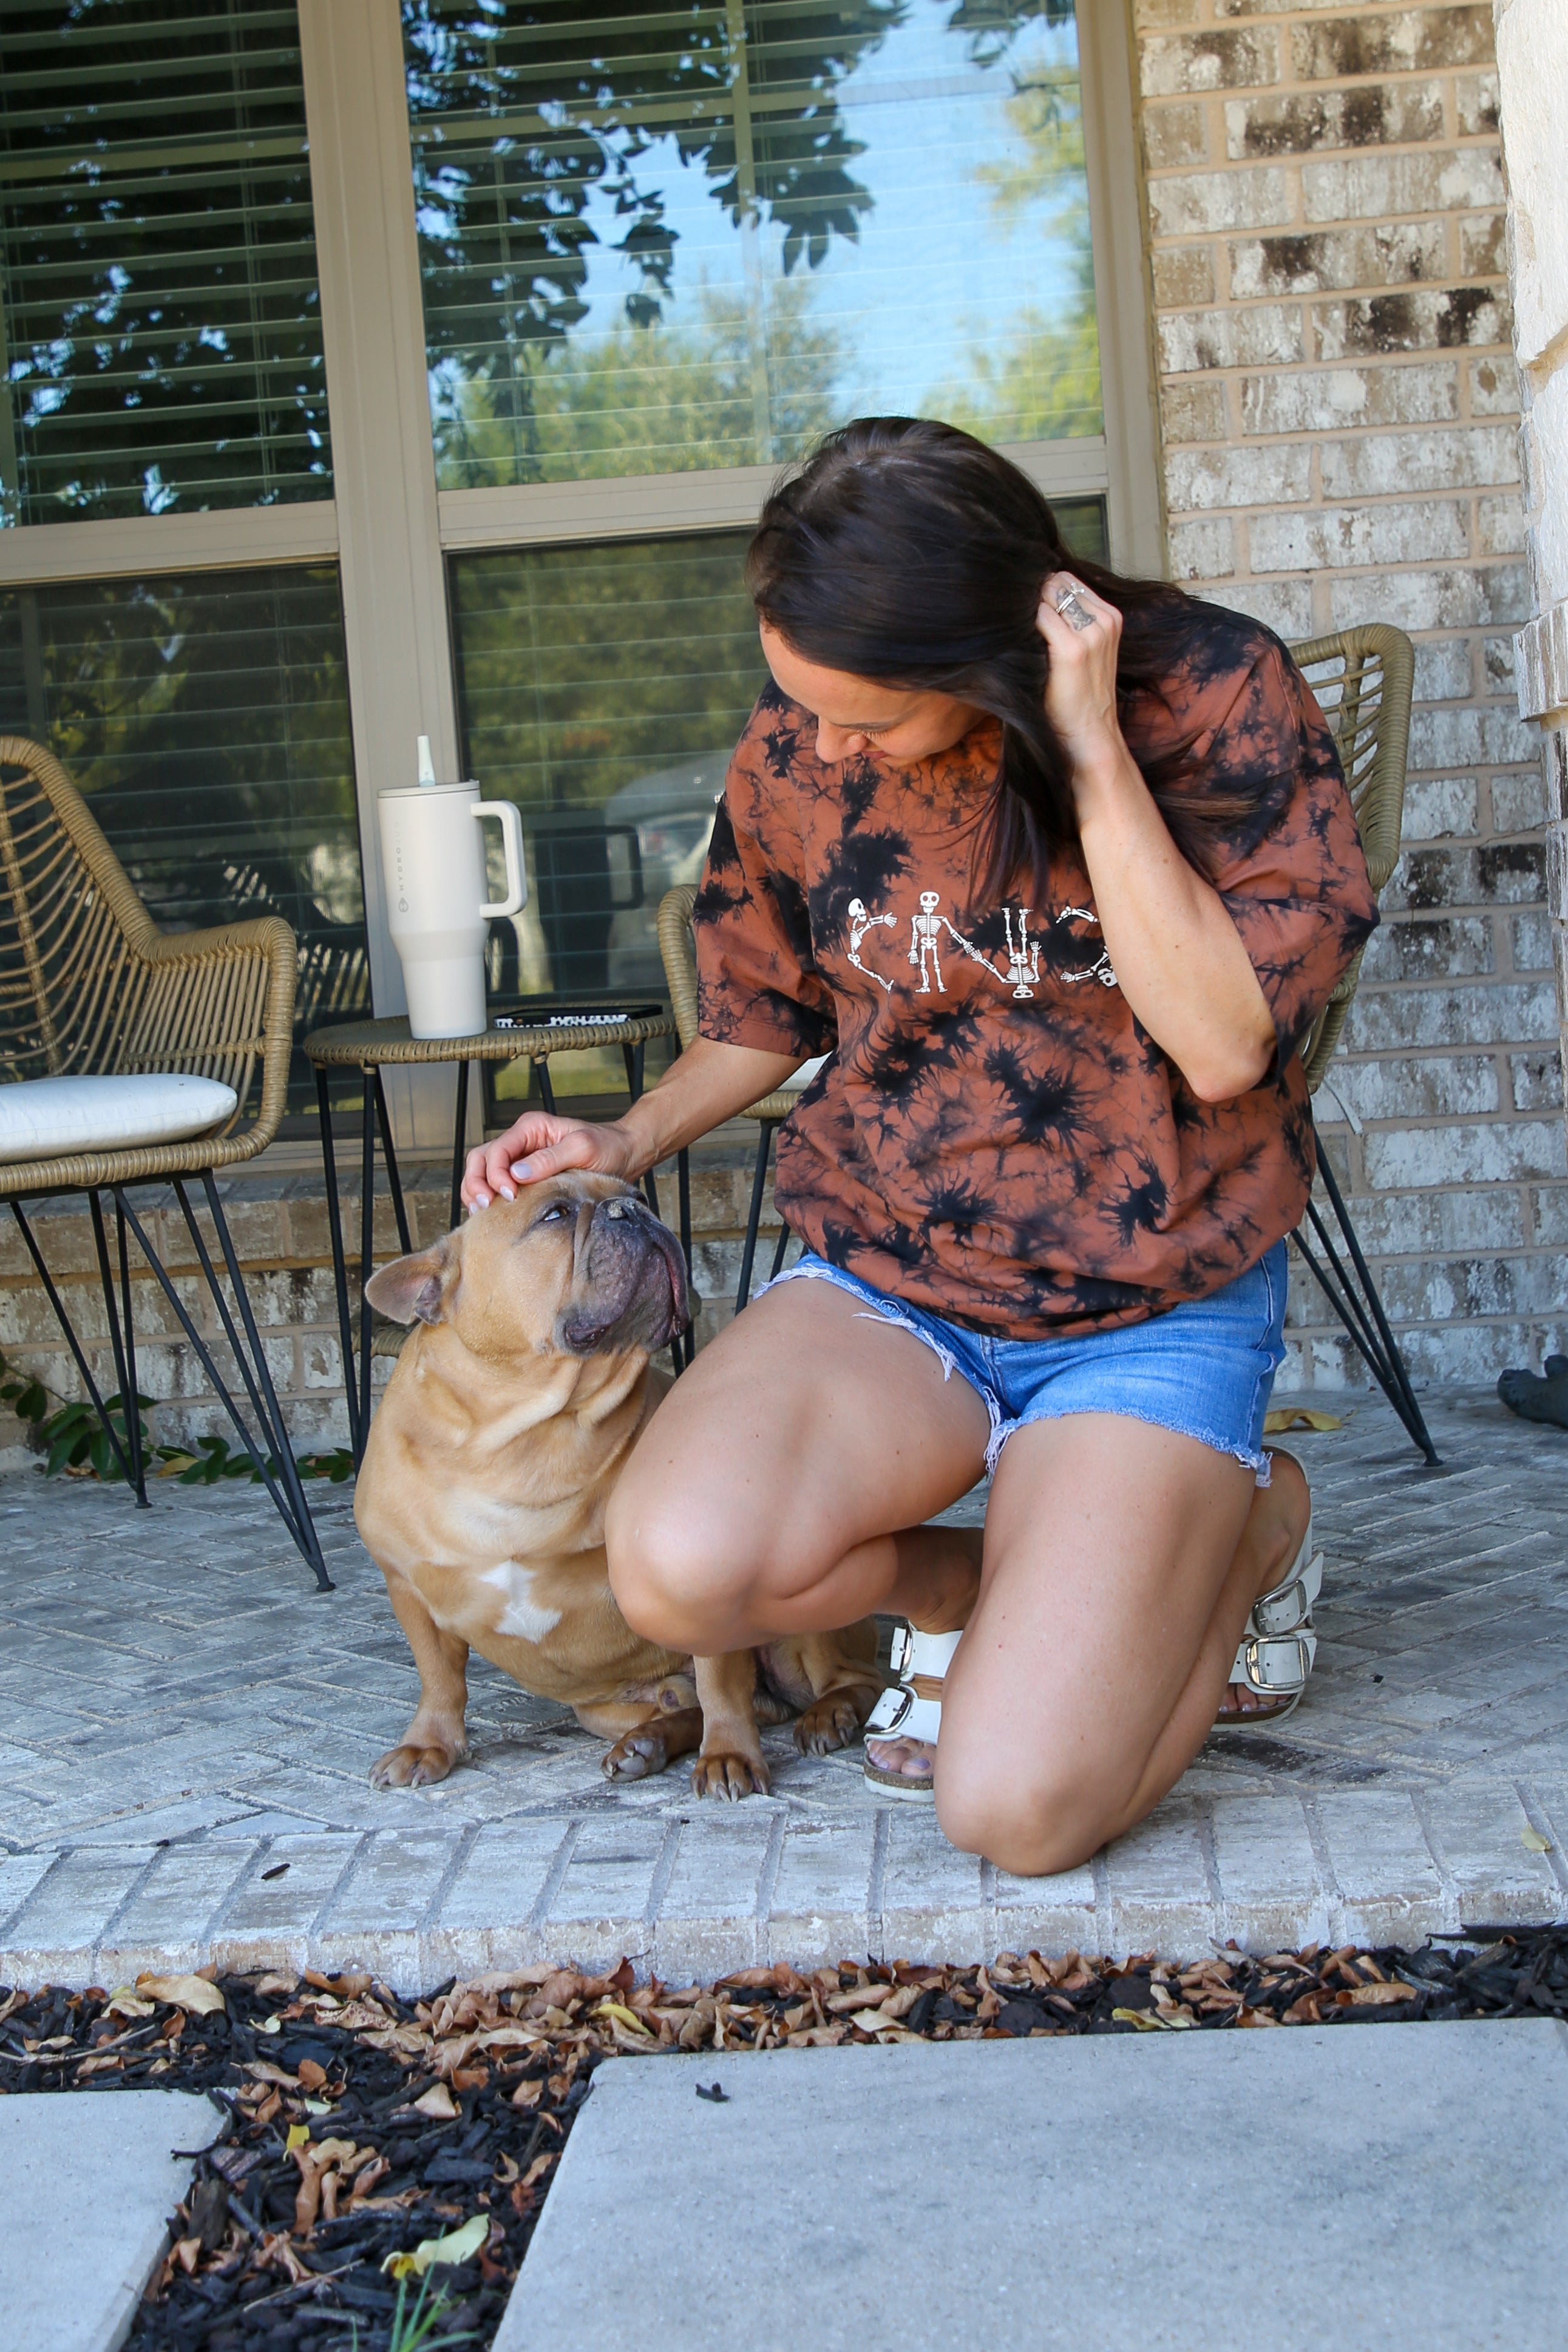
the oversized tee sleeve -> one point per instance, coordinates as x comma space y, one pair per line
758, 983
1294, 878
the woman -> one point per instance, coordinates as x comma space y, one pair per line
1058, 870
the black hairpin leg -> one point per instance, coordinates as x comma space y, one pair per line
73, 1344
1360, 1309
367, 1250
389, 1161
123, 1343
459, 1148
278, 1474
758, 1184
776, 1269
340, 1270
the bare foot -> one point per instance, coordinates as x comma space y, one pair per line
1275, 1525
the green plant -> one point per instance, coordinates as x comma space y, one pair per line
72, 1438
411, 2330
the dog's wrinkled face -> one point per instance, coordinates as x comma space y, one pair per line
577, 1266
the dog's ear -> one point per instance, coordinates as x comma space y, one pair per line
408, 1291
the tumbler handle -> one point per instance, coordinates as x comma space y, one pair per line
509, 817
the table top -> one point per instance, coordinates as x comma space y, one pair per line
370, 1045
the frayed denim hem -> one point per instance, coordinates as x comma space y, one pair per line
1254, 1459
813, 1270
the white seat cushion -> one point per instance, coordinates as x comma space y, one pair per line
44, 1118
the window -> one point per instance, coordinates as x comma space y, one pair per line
205, 718
662, 246
163, 357
659, 249
157, 260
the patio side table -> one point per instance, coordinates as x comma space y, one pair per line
370, 1047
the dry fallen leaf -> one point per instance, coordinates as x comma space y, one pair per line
1376, 1996
527, 2094
460, 2247
1534, 1840
439, 2104
185, 1993
298, 2136
1285, 1417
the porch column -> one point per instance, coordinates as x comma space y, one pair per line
393, 588
1533, 64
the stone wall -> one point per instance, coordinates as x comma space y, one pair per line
1338, 402
1532, 58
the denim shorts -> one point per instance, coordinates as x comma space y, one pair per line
1204, 1369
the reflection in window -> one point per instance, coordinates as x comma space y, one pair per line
663, 240
158, 295
206, 720
602, 689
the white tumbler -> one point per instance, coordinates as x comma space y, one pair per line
433, 862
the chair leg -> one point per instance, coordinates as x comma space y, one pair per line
287, 1498
766, 1128
776, 1269
1361, 1310
58, 1304
123, 1344
340, 1270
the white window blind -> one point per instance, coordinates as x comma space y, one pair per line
669, 238
160, 330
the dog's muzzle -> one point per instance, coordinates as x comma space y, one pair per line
634, 1293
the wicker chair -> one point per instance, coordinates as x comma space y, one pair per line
89, 986
1363, 677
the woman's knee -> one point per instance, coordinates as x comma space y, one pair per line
1029, 1823
686, 1570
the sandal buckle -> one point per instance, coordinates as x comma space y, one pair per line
896, 1700
902, 1649
1277, 1663
1282, 1613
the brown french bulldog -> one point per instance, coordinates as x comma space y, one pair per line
515, 1403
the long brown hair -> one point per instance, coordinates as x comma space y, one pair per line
909, 553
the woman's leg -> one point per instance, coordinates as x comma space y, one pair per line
780, 1487
1115, 1590
1270, 1540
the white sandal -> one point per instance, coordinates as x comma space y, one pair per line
911, 1708
1279, 1644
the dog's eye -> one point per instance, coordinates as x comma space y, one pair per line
554, 1217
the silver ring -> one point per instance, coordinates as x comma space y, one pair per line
1073, 612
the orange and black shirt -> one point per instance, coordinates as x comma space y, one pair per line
997, 1137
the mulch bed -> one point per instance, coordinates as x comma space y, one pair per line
356, 2126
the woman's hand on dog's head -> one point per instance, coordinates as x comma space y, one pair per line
539, 1144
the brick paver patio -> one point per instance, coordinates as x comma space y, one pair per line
185, 1731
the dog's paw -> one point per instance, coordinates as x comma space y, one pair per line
832, 1722
412, 1767
729, 1777
638, 1755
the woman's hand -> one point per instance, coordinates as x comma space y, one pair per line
1082, 632
707, 1085
539, 1144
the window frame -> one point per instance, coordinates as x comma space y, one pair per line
391, 532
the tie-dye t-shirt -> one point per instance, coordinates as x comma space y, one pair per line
996, 1137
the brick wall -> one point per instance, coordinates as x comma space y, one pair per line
280, 1233
1338, 413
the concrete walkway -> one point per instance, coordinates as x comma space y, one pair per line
89, 2185
1063, 2193
185, 1732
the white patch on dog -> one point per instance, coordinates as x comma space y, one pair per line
522, 1614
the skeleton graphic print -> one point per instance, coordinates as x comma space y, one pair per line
996, 1136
